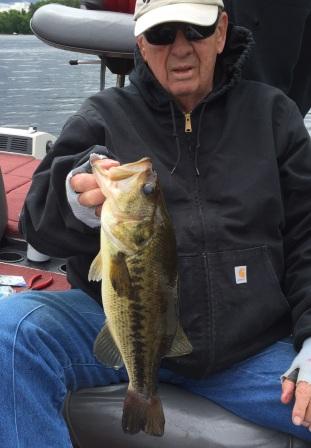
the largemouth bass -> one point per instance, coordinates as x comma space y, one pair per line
137, 264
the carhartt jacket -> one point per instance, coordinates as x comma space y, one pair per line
236, 176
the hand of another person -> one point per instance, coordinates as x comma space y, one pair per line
86, 186
297, 386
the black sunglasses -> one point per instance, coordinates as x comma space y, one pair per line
165, 33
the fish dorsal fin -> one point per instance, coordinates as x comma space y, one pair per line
105, 349
120, 276
180, 345
95, 272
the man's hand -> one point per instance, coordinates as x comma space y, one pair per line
297, 386
86, 186
301, 392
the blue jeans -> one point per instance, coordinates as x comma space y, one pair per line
46, 341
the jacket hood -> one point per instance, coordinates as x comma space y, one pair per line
228, 69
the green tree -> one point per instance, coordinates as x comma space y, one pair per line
34, 6
14, 21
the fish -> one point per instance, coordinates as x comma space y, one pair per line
137, 265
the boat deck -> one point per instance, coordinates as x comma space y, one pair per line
17, 171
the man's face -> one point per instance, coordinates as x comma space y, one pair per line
186, 68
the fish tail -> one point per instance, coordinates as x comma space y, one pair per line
142, 414
155, 417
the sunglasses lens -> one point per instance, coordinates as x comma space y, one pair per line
165, 34
161, 35
197, 32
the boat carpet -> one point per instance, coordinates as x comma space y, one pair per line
59, 280
17, 171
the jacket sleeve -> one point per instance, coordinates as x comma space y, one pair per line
295, 177
47, 219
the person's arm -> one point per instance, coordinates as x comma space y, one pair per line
48, 221
295, 177
296, 382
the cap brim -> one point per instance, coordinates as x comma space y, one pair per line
204, 15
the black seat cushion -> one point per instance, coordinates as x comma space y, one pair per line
85, 31
94, 419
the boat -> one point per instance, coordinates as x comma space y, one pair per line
93, 415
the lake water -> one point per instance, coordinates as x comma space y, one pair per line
39, 88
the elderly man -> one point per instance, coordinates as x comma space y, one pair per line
234, 162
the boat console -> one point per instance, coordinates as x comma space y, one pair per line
94, 415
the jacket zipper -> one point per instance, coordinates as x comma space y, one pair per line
197, 196
198, 202
209, 304
200, 208
188, 130
188, 125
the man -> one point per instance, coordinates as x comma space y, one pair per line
234, 162
281, 56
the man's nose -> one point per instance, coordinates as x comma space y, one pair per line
181, 44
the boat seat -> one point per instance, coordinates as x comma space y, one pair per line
107, 34
94, 420
3, 208
94, 415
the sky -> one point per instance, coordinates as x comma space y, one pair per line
6, 5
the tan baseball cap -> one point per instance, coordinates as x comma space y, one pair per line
149, 13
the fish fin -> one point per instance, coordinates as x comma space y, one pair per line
140, 413
120, 276
155, 417
95, 272
105, 349
180, 345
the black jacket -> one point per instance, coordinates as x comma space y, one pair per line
239, 195
282, 33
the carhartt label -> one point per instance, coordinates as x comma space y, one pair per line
240, 274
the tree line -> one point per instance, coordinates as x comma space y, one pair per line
14, 21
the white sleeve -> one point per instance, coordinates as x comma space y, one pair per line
301, 365
85, 214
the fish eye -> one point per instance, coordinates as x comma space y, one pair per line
148, 189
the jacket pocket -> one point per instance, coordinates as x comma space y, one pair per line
246, 297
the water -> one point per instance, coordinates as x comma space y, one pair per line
39, 88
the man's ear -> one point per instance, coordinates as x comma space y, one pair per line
141, 45
221, 32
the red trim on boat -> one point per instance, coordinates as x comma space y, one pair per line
17, 171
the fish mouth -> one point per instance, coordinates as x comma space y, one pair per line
124, 171
129, 169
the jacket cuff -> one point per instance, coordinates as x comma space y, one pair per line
84, 214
